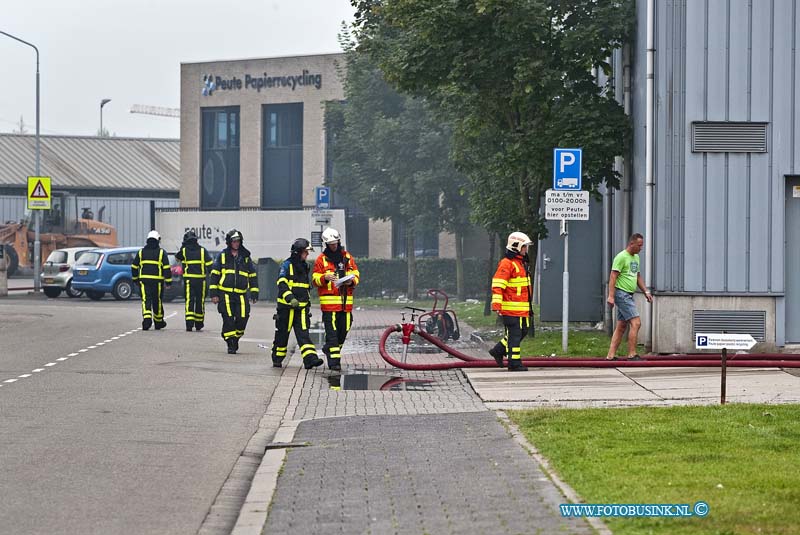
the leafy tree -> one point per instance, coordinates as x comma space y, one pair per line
391, 156
516, 78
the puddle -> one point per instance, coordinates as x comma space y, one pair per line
366, 381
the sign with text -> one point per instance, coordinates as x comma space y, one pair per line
322, 197
39, 193
569, 205
723, 341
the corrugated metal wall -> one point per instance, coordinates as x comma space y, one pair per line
130, 216
719, 223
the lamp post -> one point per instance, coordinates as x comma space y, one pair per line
37, 252
102, 103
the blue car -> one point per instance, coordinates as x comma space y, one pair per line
102, 271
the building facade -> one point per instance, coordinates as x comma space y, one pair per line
725, 215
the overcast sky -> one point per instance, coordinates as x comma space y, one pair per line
131, 51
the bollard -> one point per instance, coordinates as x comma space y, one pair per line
3, 275
723, 374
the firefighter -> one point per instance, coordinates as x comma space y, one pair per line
336, 302
511, 299
150, 268
294, 301
196, 262
233, 277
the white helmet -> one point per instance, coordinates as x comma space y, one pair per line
154, 234
330, 235
517, 240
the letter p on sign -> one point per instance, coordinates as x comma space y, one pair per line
567, 159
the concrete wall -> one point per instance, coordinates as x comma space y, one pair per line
673, 330
250, 102
380, 239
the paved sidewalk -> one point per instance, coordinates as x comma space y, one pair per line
416, 452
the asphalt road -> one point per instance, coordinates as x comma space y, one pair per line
109, 429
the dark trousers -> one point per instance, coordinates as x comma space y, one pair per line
194, 290
285, 320
152, 305
337, 325
516, 328
235, 310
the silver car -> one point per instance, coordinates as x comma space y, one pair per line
57, 271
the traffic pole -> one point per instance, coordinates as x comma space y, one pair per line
565, 291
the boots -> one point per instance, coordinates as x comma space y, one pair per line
146, 323
497, 355
277, 362
335, 365
312, 361
189, 326
515, 365
198, 325
236, 344
231, 345
160, 325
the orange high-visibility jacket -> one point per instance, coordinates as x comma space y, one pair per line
331, 298
511, 288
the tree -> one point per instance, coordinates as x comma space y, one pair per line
517, 78
21, 129
391, 157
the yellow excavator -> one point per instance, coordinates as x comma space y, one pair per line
61, 226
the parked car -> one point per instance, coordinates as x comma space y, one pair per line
57, 271
102, 271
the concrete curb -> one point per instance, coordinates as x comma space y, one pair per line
568, 492
253, 514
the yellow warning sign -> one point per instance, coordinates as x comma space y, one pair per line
39, 193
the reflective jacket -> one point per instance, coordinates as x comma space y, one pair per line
196, 261
151, 264
233, 274
331, 298
293, 282
511, 288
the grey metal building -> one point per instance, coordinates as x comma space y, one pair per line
722, 249
124, 179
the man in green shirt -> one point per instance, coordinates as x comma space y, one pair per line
622, 283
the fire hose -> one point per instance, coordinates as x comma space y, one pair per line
765, 360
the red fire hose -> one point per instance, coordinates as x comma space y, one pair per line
674, 361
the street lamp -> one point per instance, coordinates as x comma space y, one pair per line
102, 103
37, 248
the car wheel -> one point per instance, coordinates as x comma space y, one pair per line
12, 260
51, 291
94, 295
72, 292
122, 290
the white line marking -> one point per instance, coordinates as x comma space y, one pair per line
115, 338
82, 350
98, 344
37, 370
72, 355
62, 358
24, 375
92, 347
10, 381
50, 364
107, 341
122, 334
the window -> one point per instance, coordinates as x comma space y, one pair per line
282, 156
219, 174
120, 259
57, 257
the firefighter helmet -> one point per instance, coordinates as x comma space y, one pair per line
517, 240
232, 235
330, 235
299, 245
190, 235
154, 235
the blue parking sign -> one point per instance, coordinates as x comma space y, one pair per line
323, 197
567, 174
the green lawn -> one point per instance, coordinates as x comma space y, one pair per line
741, 459
546, 342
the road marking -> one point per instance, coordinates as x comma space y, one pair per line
24, 376
72, 355
50, 364
115, 337
90, 347
107, 341
100, 344
62, 358
82, 350
37, 370
10, 381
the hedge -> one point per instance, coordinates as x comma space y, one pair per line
389, 278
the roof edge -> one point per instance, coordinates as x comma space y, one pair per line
263, 58
98, 138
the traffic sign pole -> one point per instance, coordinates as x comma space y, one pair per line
565, 296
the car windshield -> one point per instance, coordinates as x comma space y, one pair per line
88, 259
57, 257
